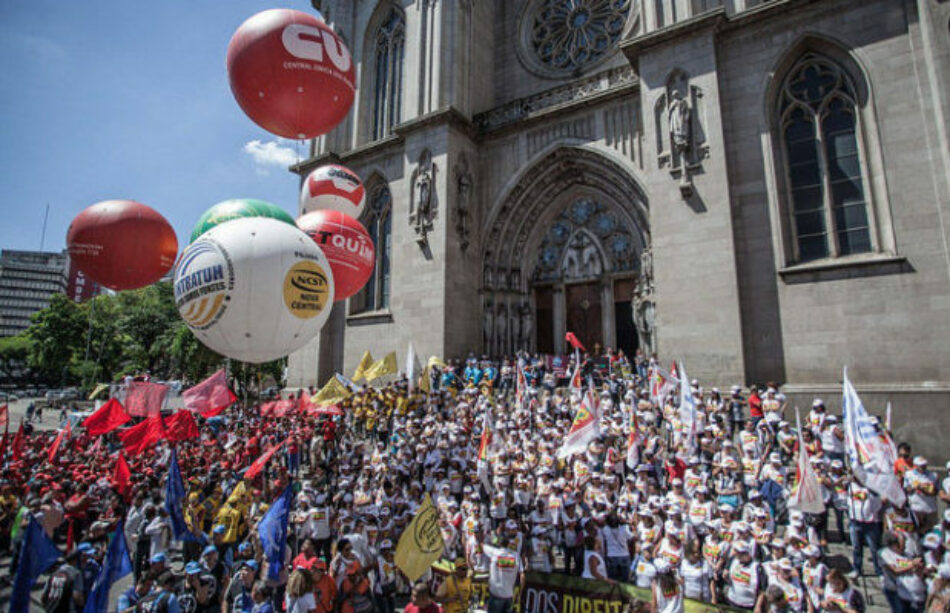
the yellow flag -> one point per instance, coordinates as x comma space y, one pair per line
385, 366
421, 542
331, 393
102, 387
436, 361
366, 362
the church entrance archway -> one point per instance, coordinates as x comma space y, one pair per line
564, 252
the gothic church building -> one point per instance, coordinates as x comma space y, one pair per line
760, 188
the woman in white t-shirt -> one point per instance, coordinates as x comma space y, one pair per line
697, 576
642, 569
667, 593
904, 586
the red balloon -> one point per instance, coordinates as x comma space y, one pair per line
347, 245
291, 73
122, 244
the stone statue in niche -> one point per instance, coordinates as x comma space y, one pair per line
643, 304
679, 115
421, 203
463, 196
501, 329
527, 326
488, 316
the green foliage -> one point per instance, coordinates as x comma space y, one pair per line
14, 355
117, 334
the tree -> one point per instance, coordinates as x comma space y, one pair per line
14, 358
56, 333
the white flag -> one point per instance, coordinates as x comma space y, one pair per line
871, 452
411, 370
586, 427
806, 495
687, 410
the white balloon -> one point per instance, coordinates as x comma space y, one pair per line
254, 289
333, 188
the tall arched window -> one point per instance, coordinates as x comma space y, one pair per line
387, 87
827, 189
379, 223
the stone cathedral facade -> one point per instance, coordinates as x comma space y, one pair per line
760, 188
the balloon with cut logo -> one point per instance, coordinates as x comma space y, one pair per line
122, 244
235, 209
254, 289
290, 73
333, 188
347, 245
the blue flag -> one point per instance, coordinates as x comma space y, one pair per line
117, 565
37, 554
174, 496
273, 532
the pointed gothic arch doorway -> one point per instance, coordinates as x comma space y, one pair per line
564, 251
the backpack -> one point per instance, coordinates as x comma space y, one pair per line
58, 592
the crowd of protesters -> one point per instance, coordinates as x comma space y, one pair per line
700, 516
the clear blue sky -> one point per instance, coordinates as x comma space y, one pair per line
127, 99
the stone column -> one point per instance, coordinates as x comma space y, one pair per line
560, 318
607, 312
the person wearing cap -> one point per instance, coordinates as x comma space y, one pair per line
785, 579
237, 597
387, 574
666, 593
831, 437
864, 510
921, 487
324, 588
744, 578
211, 563
128, 601
199, 590
814, 573
455, 592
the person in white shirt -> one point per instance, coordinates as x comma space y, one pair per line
697, 576
904, 585
504, 572
667, 594
617, 537
865, 509
921, 487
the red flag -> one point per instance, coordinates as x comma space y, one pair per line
18, 443
145, 399
54, 448
143, 435
122, 475
574, 341
4, 416
277, 408
181, 426
107, 418
211, 396
303, 401
255, 469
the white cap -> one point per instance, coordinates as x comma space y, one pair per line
818, 402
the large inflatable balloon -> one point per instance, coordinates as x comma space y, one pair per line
254, 289
334, 188
291, 73
235, 209
347, 246
122, 244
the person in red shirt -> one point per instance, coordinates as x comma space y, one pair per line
422, 601
903, 462
755, 405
